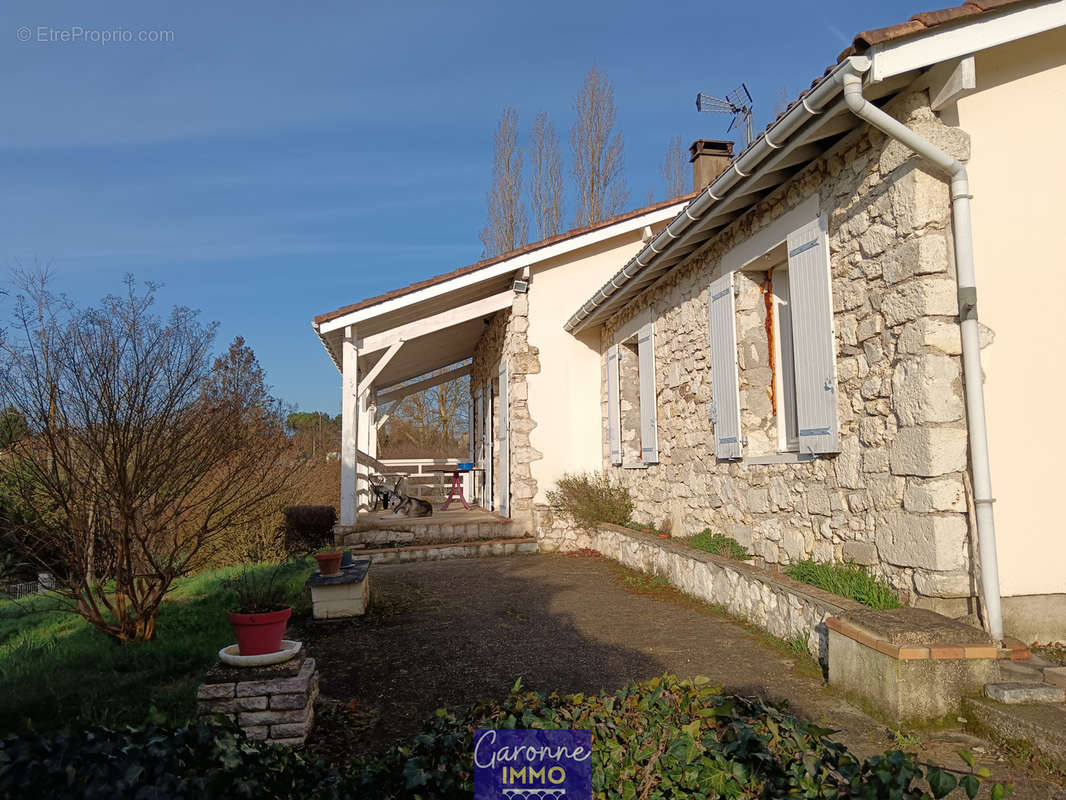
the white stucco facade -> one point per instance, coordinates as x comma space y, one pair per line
564, 397
1016, 120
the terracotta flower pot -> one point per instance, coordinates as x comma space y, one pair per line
258, 634
329, 564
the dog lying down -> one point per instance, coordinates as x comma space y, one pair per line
407, 506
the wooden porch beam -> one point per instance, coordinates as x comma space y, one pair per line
383, 362
436, 322
426, 383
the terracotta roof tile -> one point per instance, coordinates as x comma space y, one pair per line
922, 22
488, 262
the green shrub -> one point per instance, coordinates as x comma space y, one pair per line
847, 580
718, 544
201, 761
665, 738
587, 499
308, 527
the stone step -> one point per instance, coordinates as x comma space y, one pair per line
1056, 676
441, 552
1017, 693
1043, 725
1020, 672
433, 532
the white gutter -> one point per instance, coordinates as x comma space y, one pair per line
772, 140
971, 344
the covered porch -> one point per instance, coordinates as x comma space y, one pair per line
391, 347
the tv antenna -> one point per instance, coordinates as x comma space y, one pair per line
737, 102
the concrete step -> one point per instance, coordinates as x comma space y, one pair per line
430, 533
1020, 672
1056, 676
1043, 726
1017, 693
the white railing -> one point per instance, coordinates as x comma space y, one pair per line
16, 591
430, 478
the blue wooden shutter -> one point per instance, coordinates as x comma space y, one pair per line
649, 432
725, 398
812, 338
614, 421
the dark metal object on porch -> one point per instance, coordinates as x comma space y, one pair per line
382, 492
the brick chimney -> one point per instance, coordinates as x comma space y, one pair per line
710, 157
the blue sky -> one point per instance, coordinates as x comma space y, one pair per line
276, 160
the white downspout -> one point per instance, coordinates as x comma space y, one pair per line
971, 343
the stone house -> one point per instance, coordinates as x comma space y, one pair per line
792, 355
789, 362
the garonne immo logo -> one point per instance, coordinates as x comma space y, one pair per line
532, 764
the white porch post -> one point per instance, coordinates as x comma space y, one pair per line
349, 425
365, 432
372, 428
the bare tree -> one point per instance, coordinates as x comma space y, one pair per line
507, 227
598, 160
141, 451
432, 423
674, 170
546, 183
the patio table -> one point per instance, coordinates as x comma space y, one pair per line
457, 485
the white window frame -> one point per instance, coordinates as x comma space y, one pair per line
785, 444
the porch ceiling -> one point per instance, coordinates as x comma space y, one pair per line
447, 342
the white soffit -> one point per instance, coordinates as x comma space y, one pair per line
948, 42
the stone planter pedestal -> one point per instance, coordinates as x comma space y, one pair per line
274, 704
909, 664
344, 595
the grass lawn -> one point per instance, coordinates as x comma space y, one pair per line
56, 671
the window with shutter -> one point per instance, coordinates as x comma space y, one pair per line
812, 338
614, 422
725, 402
649, 434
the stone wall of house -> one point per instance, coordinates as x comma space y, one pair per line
755, 373
895, 497
506, 336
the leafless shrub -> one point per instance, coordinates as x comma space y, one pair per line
142, 451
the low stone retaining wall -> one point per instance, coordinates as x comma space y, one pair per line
440, 552
779, 605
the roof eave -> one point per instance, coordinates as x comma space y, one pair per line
744, 171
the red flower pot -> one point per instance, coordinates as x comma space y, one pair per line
329, 564
258, 634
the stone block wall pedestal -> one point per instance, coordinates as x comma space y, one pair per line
273, 704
